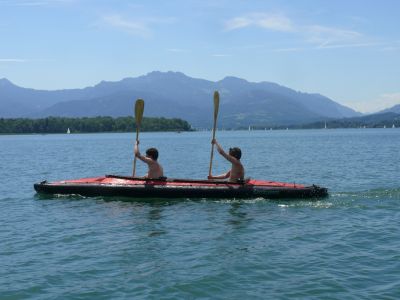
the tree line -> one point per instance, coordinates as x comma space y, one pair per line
88, 124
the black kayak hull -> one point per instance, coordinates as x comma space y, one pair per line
173, 189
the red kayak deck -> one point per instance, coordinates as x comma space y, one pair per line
125, 180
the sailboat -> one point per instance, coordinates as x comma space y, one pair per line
325, 125
68, 131
393, 126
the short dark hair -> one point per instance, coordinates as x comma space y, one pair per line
235, 152
152, 153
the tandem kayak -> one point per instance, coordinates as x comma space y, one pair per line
125, 186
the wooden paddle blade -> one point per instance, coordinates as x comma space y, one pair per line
216, 104
216, 108
139, 108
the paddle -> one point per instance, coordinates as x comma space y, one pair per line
139, 108
216, 107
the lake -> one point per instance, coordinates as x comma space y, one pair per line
69, 247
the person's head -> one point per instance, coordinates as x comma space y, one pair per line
235, 152
152, 153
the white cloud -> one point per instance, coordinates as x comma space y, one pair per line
390, 48
288, 49
359, 19
395, 46
326, 46
329, 36
139, 28
317, 36
275, 22
382, 102
349, 45
177, 50
12, 60
221, 55
33, 2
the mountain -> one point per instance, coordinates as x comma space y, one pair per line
16, 101
394, 109
378, 120
173, 94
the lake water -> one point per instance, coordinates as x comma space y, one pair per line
346, 246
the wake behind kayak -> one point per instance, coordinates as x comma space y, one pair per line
125, 186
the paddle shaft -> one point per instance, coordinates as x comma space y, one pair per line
134, 160
212, 149
216, 108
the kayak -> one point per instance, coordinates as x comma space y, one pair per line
126, 186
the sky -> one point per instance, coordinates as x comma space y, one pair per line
347, 50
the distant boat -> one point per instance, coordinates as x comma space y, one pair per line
325, 125
384, 126
249, 128
68, 131
393, 126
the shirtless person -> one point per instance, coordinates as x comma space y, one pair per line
155, 169
237, 171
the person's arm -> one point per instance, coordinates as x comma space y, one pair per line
224, 154
141, 157
137, 153
222, 176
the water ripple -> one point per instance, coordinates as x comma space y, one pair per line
72, 247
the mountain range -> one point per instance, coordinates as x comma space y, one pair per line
394, 109
173, 94
377, 120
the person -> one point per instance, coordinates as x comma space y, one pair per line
236, 173
155, 169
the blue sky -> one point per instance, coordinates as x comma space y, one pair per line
346, 50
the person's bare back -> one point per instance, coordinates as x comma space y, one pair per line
237, 171
155, 169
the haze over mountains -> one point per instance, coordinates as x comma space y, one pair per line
173, 94
394, 109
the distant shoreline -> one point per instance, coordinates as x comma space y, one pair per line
178, 132
60, 125
104, 124
100, 132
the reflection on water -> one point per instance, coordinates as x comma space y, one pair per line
238, 218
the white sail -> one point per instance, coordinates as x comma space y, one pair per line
68, 131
